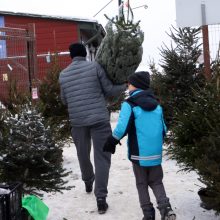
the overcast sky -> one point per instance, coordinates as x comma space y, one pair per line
156, 20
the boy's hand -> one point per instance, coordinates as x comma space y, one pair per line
110, 144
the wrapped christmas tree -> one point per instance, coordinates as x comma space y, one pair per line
120, 52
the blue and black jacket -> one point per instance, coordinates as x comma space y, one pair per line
141, 117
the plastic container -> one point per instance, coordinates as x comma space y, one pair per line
10, 202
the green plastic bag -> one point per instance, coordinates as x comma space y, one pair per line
36, 207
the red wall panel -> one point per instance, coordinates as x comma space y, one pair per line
51, 35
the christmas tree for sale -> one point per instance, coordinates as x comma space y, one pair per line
54, 112
29, 154
120, 52
196, 139
181, 71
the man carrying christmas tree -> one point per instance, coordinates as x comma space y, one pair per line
84, 86
141, 117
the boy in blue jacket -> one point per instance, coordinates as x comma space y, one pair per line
141, 118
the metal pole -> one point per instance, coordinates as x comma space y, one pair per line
29, 66
120, 8
206, 52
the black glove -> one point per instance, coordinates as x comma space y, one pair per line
111, 144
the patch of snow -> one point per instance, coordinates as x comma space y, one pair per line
4, 191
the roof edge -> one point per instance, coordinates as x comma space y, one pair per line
48, 16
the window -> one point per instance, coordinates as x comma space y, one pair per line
3, 53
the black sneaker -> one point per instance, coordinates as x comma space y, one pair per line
102, 205
168, 214
88, 186
149, 218
149, 214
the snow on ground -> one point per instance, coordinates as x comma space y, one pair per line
76, 204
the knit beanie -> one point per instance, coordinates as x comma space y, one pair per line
77, 50
140, 80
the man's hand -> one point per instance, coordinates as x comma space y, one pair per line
110, 144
